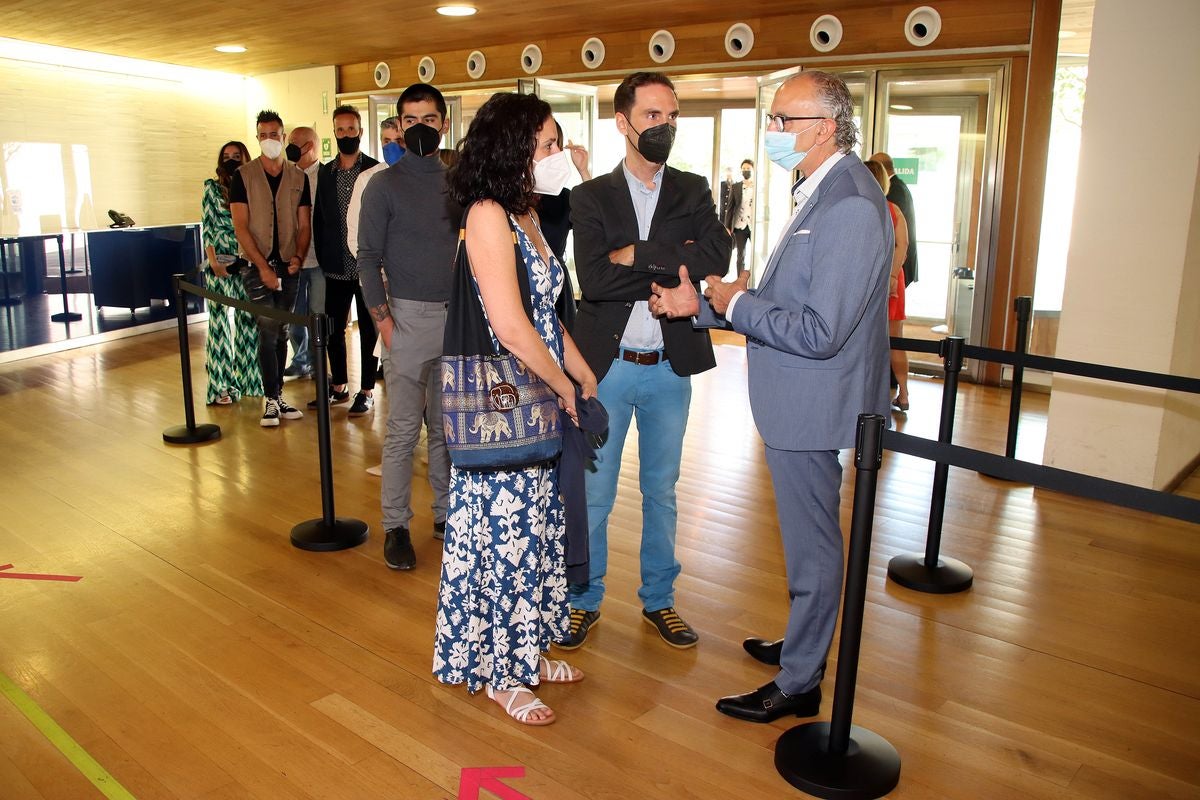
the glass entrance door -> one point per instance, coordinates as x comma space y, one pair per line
941, 128
574, 107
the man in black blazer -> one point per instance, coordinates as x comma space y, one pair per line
740, 212
633, 227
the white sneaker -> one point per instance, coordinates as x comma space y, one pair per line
288, 412
270, 417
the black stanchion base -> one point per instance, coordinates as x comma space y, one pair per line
179, 434
66, 316
949, 576
869, 768
343, 534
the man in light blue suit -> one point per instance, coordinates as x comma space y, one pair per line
817, 357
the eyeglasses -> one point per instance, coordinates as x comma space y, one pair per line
782, 119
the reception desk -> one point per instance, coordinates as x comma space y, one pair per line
133, 266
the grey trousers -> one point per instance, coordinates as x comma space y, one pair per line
414, 393
807, 493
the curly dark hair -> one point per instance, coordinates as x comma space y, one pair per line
494, 157
224, 179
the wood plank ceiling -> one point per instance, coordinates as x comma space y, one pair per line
305, 33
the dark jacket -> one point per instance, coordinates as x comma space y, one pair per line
684, 230
899, 194
735, 205
328, 222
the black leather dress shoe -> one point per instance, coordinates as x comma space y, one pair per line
769, 703
764, 650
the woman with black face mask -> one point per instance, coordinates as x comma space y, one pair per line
231, 354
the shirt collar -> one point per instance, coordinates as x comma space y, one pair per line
636, 182
806, 187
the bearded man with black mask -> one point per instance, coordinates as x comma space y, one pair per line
633, 227
408, 233
335, 185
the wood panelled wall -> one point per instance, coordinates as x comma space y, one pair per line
866, 32
1020, 33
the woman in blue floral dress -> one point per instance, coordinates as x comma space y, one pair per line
230, 353
503, 596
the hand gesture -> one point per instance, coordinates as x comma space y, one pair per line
579, 157
682, 301
719, 294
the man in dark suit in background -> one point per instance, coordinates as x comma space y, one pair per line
740, 213
899, 194
726, 190
636, 225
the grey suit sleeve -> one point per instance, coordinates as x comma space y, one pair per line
847, 262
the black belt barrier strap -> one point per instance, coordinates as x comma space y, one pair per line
1083, 369
256, 309
1059, 480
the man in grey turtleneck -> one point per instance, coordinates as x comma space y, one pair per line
408, 232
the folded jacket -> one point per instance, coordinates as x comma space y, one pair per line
578, 451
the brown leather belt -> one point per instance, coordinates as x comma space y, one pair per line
637, 357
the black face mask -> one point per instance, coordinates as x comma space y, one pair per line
230, 166
348, 145
746, 174
292, 153
655, 143
422, 139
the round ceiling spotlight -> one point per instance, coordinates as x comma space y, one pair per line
739, 40
922, 26
476, 65
662, 47
426, 69
531, 59
825, 33
456, 11
592, 53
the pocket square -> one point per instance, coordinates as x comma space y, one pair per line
804, 232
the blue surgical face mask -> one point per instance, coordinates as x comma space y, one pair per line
392, 151
781, 147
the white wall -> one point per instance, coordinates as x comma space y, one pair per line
77, 142
1131, 293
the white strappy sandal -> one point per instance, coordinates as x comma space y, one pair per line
522, 713
557, 671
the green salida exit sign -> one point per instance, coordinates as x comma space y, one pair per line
906, 169
327, 148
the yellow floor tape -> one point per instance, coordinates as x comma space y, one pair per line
90, 768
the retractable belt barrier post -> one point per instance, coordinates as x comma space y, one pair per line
67, 314
1024, 308
329, 532
189, 433
931, 572
837, 758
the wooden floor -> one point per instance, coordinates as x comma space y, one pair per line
201, 656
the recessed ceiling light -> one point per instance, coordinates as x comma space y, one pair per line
229, 48
456, 11
1066, 34
900, 107
710, 89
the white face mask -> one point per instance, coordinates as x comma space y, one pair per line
271, 148
551, 173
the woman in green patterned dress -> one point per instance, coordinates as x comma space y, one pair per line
231, 358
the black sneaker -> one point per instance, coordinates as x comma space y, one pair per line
439, 530
287, 411
671, 627
270, 417
581, 622
335, 397
398, 550
363, 403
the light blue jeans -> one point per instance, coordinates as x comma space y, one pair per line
659, 400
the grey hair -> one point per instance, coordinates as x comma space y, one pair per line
390, 124
835, 97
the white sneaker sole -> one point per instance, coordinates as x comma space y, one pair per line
269, 423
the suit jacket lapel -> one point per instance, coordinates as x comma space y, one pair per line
668, 198
623, 203
793, 226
